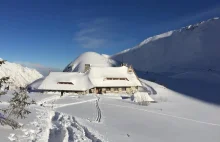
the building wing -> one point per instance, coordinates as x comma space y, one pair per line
113, 77
66, 81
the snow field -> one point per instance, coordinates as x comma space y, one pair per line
109, 118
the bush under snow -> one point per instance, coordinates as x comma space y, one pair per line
141, 98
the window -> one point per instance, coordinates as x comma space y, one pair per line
123, 89
107, 89
115, 89
70, 83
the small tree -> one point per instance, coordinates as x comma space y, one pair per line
17, 104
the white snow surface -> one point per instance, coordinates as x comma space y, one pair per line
195, 47
95, 59
19, 76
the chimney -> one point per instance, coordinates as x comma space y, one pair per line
130, 69
124, 64
87, 67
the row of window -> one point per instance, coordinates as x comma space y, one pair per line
116, 89
108, 78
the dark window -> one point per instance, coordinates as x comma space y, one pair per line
70, 83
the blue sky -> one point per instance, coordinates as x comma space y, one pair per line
52, 33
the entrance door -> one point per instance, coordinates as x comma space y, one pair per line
99, 91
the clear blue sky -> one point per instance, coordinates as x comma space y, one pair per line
53, 33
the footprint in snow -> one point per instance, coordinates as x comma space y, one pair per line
12, 137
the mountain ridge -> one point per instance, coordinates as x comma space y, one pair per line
19, 76
193, 46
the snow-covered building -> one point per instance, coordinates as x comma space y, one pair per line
95, 79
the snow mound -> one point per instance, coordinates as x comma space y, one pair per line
195, 47
139, 97
19, 76
92, 58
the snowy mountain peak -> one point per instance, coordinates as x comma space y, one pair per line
19, 76
192, 27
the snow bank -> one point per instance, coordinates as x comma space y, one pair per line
92, 58
19, 76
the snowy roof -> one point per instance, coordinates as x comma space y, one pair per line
80, 81
95, 77
98, 77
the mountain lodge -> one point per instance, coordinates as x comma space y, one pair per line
99, 80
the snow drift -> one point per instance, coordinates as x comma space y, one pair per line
19, 76
195, 47
92, 58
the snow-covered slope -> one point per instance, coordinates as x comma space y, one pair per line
19, 76
92, 58
195, 47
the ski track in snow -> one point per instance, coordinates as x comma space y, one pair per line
168, 115
69, 104
99, 113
